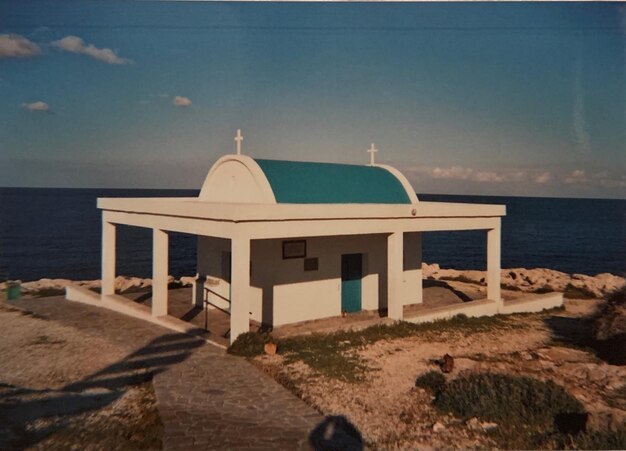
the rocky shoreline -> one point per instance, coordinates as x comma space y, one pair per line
539, 280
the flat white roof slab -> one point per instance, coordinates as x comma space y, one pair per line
191, 207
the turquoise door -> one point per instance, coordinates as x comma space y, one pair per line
351, 275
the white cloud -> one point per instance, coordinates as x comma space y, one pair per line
16, 46
488, 176
542, 178
463, 173
455, 172
605, 179
181, 101
36, 106
74, 44
576, 176
501, 175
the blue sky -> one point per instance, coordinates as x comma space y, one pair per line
487, 98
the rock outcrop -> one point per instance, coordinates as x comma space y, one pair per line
538, 280
122, 284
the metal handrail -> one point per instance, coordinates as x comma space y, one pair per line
207, 303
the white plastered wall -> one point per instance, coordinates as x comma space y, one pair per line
282, 292
290, 294
411, 292
213, 259
236, 179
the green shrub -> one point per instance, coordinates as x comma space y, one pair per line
599, 440
433, 381
332, 355
249, 344
608, 328
506, 399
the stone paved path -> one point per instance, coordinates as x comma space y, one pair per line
206, 398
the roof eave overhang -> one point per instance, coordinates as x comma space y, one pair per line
192, 208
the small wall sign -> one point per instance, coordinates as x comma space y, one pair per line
294, 249
311, 264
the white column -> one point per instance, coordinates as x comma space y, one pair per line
493, 264
420, 275
197, 294
108, 257
239, 287
160, 260
394, 275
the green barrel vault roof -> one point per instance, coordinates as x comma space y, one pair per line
295, 182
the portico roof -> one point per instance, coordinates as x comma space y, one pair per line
192, 207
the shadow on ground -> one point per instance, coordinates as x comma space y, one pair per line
429, 283
336, 432
578, 332
28, 416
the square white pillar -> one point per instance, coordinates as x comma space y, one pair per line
108, 257
197, 293
493, 264
419, 298
160, 263
395, 268
412, 277
239, 287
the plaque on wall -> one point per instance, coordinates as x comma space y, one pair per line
294, 249
311, 264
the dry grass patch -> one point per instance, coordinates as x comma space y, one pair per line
336, 355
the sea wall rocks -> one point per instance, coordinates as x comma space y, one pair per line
122, 284
534, 280
537, 280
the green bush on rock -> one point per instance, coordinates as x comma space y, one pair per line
432, 381
503, 398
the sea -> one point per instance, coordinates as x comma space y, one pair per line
56, 233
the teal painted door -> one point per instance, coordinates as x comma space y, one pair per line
351, 275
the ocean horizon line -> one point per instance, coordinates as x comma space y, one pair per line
198, 190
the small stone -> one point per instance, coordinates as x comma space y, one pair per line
270, 348
473, 424
487, 426
447, 363
438, 427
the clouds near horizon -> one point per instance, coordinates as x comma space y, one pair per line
181, 101
528, 176
75, 44
37, 106
17, 46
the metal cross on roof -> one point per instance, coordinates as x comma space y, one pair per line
239, 139
372, 151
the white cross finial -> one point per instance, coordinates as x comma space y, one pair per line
239, 139
372, 151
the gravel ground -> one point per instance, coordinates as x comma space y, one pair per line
46, 400
393, 414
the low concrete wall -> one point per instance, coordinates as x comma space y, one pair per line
484, 307
82, 295
533, 304
122, 305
